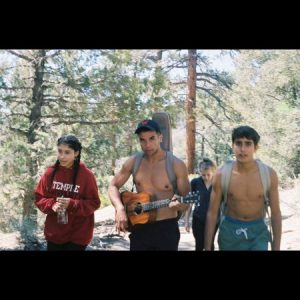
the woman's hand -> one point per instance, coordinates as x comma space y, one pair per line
56, 207
64, 202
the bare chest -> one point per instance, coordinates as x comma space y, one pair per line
245, 187
152, 177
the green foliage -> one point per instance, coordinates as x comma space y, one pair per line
104, 200
294, 164
263, 96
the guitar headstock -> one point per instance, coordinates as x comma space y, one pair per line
192, 197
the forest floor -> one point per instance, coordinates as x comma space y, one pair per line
107, 239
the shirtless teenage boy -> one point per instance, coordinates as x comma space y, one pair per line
243, 227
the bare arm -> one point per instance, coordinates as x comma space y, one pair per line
213, 210
183, 185
113, 192
275, 211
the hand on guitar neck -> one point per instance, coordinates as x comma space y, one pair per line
176, 204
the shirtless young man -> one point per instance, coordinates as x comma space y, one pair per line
151, 176
243, 226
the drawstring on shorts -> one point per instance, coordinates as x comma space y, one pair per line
242, 230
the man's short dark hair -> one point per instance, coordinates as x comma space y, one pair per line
147, 125
245, 132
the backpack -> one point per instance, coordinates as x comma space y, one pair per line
169, 168
265, 179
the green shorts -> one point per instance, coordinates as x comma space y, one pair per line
241, 235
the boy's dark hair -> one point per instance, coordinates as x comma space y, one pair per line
206, 163
245, 132
73, 143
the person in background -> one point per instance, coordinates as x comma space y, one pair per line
202, 185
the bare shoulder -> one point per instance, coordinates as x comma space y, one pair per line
128, 164
178, 163
218, 173
122, 176
217, 177
272, 171
273, 175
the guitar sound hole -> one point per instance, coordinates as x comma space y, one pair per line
138, 209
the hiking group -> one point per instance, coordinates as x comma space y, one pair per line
233, 199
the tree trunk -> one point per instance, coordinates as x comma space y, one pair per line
113, 166
189, 108
157, 98
217, 160
29, 213
202, 147
115, 154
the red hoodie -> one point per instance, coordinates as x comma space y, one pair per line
84, 201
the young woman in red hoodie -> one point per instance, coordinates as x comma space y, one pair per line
68, 187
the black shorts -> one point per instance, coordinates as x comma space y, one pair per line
160, 235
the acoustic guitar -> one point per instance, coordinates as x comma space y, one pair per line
139, 206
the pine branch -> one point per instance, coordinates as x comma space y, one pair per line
208, 117
209, 91
23, 132
20, 55
15, 88
207, 141
69, 122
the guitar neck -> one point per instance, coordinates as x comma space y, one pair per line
156, 204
